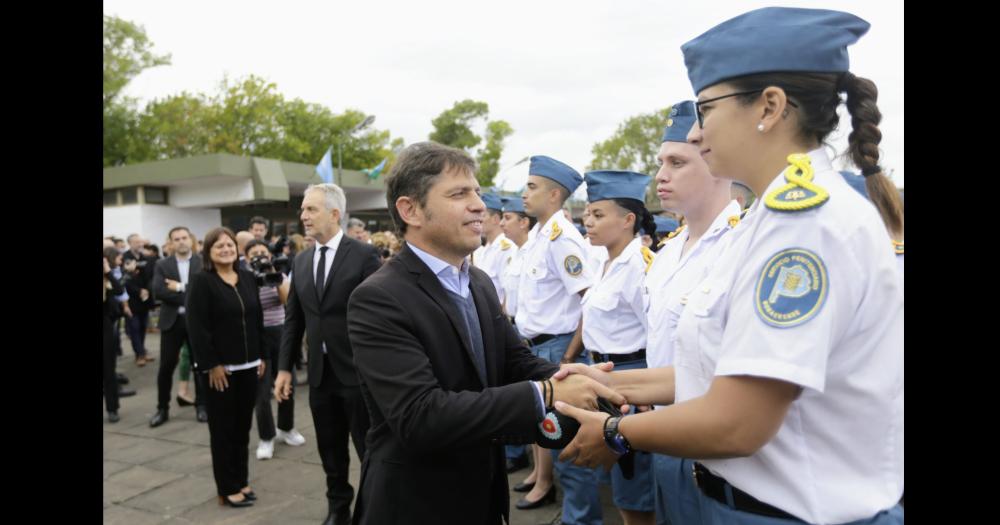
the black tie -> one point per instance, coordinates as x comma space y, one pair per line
321, 271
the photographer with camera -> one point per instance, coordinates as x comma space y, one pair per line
273, 293
138, 279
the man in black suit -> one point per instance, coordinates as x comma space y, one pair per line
139, 268
322, 280
445, 376
170, 280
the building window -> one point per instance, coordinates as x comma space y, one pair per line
154, 195
130, 195
111, 197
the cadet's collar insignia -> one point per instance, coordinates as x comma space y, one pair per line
647, 257
573, 265
897, 246
792, 288
550, 426
676, 232
800, 193
505, 244
733, 221
556, 231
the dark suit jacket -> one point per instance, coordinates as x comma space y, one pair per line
434, 451
325, 319
143, 278
170, 301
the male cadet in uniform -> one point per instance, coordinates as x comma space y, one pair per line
554, 277
491, 258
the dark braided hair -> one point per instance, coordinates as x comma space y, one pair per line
643, 219
818, 95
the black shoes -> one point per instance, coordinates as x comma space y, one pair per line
159, 418
184, 402
339, 518
549, 497
224, 500
250, 496
202, 415
524, 487
125, 392
122, 380
516, 464
113, 417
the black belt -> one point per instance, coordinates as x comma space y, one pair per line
541, 338
715, 487
618, 358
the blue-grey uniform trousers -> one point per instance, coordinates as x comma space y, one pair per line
676, 494
581, 500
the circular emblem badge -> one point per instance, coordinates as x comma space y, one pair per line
550, 426
792, 288
573, 265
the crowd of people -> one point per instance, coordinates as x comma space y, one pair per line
736, 359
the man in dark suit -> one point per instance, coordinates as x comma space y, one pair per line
322, 280
445, 376
170, 280
139, 268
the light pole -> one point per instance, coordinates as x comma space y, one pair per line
340, 144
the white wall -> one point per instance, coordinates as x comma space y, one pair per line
227, 193
153, 221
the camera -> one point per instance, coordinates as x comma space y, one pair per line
265, 272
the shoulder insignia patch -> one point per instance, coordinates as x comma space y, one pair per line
799, 193
897, 246
505, 244
573, 265
647, 257
556, 231
792, 288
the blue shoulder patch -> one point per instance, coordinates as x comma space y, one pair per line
792, 288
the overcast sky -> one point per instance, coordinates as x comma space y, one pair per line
564, 74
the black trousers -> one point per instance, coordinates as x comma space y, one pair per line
171, 342
286, 409
230, 414
108, 368
337, 412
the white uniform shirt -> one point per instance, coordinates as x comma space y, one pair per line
552, 274
671, 277
838, 456
492, 260
596, 257
613, 318
511, 277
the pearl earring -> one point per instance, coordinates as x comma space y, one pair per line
760, 127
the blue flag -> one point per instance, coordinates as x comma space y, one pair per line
374, 172
325, 167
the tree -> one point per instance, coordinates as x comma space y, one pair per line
453, 127
489, 155
633, 146
173, 127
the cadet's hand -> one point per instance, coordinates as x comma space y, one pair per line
588, 448
217, 378
283, 386
581, 391
260, 369
600, 372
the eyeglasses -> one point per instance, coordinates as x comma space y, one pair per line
701, 116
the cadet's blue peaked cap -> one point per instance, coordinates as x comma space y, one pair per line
513, 204
665, 224
611, 184
682, 117
770, 40
551, 168
855, 181
492, 201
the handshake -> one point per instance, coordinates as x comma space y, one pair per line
581, 394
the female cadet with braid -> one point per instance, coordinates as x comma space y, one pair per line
787, 384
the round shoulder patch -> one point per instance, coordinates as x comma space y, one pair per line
792, 288
573, 265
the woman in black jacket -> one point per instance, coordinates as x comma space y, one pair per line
112, 288
225, 327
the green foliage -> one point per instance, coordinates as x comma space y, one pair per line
489, 155
454, 127
633, 146
127, 52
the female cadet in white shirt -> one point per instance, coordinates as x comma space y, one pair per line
788, 378
614, 319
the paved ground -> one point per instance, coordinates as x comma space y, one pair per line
164, 474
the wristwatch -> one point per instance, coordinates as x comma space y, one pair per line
614, 439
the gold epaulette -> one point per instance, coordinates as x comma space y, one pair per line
556, 231
800, 193
647, 257
897, 246
674, 233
